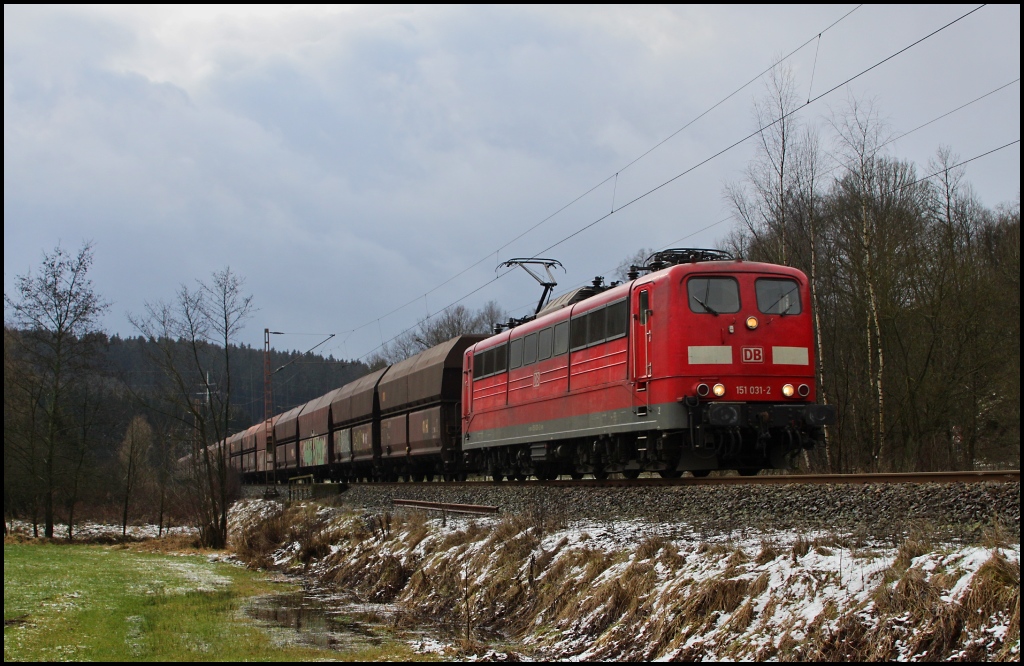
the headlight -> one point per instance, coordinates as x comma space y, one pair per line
703, 390
751, 323
788, 390
719, 390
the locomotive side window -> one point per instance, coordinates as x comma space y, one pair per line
777, 296
515, 354
490, 362
544, 342
617, 320
500, 358
578, 333
713, 295
644, 305
530, 349
595, 326
561, 338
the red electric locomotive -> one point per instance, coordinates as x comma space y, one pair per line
698, 362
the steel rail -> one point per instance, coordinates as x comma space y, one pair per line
999, 476
442, 506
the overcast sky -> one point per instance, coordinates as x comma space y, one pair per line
349, 160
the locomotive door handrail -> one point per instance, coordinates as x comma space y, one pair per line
640, 341
641, 320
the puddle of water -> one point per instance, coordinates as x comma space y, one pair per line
338, 622
326, 620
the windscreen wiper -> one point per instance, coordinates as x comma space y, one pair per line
705, 306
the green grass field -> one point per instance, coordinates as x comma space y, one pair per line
93, 603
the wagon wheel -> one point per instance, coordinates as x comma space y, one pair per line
600, 474
700, 473
631, 473
670, 473
749, 471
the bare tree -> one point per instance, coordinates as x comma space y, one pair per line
762, 201
22, 410
490, 315
133, 463
58, 313
194, 335
432, 331
638, 258
860, 135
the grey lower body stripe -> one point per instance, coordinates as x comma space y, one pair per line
668, 416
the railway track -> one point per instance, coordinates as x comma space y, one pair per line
1001, 476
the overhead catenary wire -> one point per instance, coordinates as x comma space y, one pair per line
609, 178
695, 166
832, 170
887, 193
756, 132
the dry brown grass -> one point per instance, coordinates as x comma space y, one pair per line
415, 528
759, 585
741, 619
915, 545
736, 558
801, 546
495, 577
994, 592
255, 543
717, 594
849, 640
769, 552
174, 543
650, 547
913, 593
706, 548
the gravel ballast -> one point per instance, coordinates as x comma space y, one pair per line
952, 510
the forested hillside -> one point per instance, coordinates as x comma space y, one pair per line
297, 377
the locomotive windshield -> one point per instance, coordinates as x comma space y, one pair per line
713, 295
778, 296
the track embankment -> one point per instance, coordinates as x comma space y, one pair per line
952, 510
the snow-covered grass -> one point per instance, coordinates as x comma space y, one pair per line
651, 591
91, 532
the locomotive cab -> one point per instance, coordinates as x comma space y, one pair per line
735, 348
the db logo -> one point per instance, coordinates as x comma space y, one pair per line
753, 354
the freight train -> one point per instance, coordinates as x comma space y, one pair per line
697, 362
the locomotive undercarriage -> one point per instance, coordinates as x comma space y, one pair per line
669, 454
720, 436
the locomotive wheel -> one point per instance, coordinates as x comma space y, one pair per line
576, 476
670, 473
749, 471
631, 473
700, 473
600, 475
